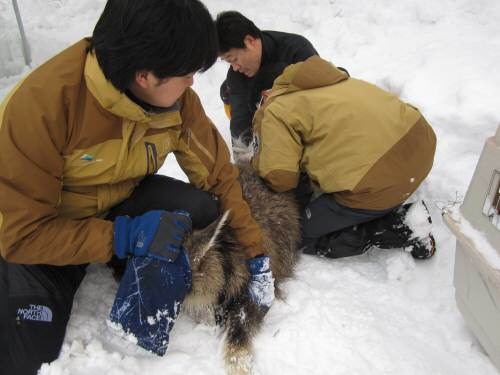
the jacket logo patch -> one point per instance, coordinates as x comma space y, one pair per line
37, 313
88, 157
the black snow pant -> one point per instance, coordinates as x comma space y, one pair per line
335, 231
36, 300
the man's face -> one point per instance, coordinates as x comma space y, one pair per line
245, 60
160, 92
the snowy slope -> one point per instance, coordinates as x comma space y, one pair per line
381, 313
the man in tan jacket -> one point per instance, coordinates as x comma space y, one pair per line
81, 139
364, 150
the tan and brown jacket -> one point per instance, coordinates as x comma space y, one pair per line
355, 140
72, 146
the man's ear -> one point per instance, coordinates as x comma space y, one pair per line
250, 41
141, 78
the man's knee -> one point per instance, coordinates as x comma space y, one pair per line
204, 209
202, 206
157, 192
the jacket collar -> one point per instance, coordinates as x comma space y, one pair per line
119, 103
149, 108
268, 49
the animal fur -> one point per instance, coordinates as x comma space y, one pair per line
219, 271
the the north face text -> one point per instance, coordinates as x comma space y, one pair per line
35, 312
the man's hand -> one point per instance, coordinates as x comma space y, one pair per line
158, 234
261, 283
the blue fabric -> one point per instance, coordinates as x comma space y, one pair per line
156, 233
149, 298
261, 283
134, 235
259, 264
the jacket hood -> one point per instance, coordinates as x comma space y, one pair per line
309, 74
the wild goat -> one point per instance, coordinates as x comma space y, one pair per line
220, 274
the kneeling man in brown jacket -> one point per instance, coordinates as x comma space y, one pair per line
364, 151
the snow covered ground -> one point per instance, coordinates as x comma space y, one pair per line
381, 313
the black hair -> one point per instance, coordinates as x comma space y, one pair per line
232, 28
166, 37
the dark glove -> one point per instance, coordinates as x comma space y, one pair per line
149, 298
156, 233
261, 283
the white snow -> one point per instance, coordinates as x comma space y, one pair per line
417, 219
381, 313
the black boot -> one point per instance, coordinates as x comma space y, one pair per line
406, 227
344, 243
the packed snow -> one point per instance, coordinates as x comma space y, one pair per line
380, 313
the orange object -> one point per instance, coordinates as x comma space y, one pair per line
227, 109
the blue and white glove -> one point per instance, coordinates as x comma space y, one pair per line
261, 283
156, 279
158, 234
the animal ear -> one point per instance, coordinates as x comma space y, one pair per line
206, 238
217, 231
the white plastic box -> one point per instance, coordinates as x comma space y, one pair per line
477, 265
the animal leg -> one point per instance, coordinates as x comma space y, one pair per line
243, 321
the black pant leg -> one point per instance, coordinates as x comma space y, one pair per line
335, 231
303, 192
158, 192
35, 305
324, 215
4, 337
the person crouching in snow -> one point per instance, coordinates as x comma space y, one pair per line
81, 139
364, 150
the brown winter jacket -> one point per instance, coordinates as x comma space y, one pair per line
352, 138
72, 146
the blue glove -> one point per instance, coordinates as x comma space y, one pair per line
261, 283
156, 233
149, 298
